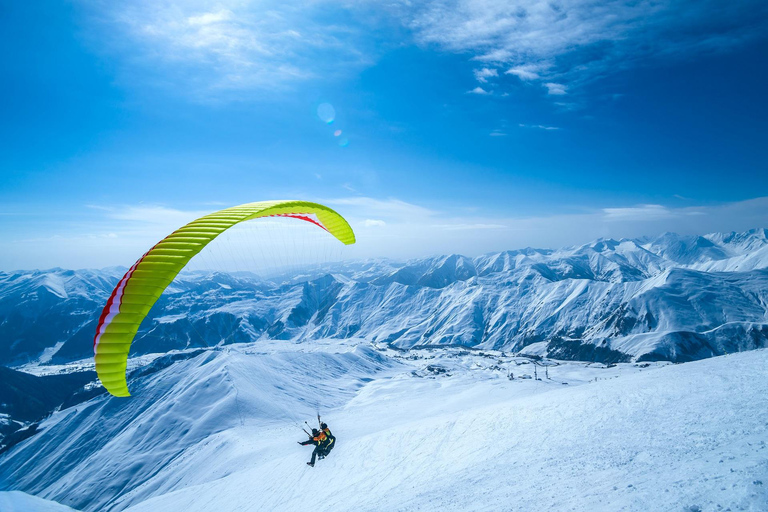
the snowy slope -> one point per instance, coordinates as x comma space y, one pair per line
186, 404
437, 429
674, 438
16, 501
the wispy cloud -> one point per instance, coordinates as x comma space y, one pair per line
241, 45
567, 42
464, 226
524, 72
539, 127
556, 89
153, 214
642, 212
482, 75
472, 234
391, 228
365, 207
231, 45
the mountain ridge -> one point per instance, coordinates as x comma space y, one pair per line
668, 297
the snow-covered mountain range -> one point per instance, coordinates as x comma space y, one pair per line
220, 396
675, 298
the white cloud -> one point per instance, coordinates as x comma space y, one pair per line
231, 45
211, 18
572, 41
366, 207
479, 90
555, 89
452, 232
240, 45
539, 127
642, 212
157, 215
526, 72
482, 75
386, 228
464, 226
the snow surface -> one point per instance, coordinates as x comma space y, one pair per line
429, 430
17, 501
434, 428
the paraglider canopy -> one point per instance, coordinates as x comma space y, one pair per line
145, 281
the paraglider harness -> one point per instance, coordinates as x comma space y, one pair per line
323, 440
328, 443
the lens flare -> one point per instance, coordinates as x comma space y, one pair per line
337, 133
326, 113
344, 142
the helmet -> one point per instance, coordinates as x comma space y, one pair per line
315, 432
323, 426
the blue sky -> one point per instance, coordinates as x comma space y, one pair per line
468, 127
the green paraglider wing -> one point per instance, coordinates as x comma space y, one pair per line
145, 281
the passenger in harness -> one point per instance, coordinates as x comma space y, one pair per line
318, 438
329, 443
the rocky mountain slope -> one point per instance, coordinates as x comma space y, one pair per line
670, 298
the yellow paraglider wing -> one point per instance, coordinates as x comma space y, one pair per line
145, 281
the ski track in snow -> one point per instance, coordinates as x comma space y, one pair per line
662, 437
